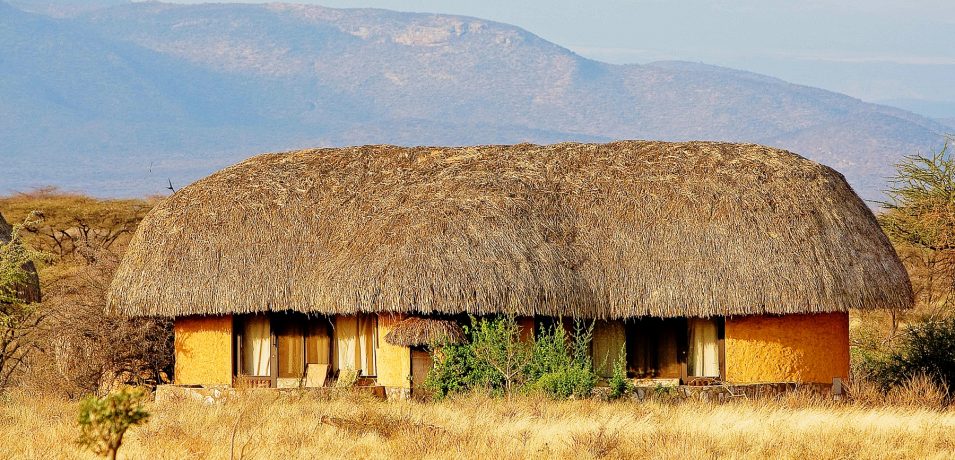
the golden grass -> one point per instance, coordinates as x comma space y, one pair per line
304, 425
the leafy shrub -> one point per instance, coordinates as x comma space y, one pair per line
867, 355
575, 380
926, 348
453, 370
551, 353
561, 368
495, 358
103, 421
500, 356
481, 362
619, 384
20, 321
664, 393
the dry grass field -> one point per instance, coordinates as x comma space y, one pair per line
305, 425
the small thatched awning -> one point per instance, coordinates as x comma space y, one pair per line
617, 230
29, 291
418, 332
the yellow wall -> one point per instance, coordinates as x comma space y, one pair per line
608, 341
802, 348
203, 350
809, 348
394, 362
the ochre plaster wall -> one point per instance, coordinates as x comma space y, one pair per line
809, 348
394, 362
203, 350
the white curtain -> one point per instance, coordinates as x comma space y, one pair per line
318, 342
704, 358
257, 347
355, 343
367, 342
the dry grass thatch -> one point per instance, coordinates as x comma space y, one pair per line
29, 292
596, 230
416, 332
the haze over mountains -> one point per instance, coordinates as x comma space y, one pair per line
114, 100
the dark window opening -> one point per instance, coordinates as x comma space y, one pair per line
654, 347
675, 348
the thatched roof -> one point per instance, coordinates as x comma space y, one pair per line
598, 230
30, 291
417, 332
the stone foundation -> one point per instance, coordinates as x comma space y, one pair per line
397, 393
718, 393
727, 392
221, 393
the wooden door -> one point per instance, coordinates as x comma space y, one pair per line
420, 366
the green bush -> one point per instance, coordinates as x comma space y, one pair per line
19, 321
619, 384
453, 370
103, 421
926, 348
561, 367
481, 362
551, 353
575, 380
500, 356
495, 358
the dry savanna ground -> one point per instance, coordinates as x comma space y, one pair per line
306, 425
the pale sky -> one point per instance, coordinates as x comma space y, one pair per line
877, 50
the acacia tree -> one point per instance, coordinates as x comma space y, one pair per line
87, 347
919, 218
82, 346
19, 317
72, 221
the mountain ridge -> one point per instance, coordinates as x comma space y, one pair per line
203, 86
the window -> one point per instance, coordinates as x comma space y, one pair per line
654, 346
254, 346
704, 355
280, 346
318, 342
674, 348
356, 342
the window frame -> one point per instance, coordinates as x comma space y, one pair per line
374, 344
683, 347
238, 328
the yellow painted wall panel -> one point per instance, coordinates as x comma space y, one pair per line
203, 347
609, 338
808, 348
394, 362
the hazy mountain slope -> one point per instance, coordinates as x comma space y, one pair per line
182, 89
78, 109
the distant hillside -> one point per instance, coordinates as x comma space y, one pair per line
114, 101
